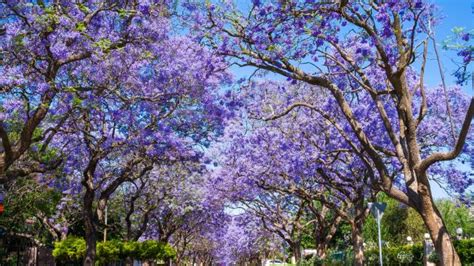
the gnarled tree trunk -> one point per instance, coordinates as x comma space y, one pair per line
296, 249
321, 249
438, 232
90, 230
357, 243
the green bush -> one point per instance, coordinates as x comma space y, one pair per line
413, 255
334, 258
151, 249
465, 249
130, 249
73, 250
109, 251
401, 255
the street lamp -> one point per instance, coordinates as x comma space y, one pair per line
105, 228
428, 249
409, 240
427, 236
459, 233
377, 209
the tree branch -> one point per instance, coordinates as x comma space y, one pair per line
445, 156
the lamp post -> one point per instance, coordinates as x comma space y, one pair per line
105, 229
427, 237
409, 240
428, 249
377, 208
459, 233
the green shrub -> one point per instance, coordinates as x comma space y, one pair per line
400, 255
109, 251
413, 255
151, 249
465, 249
334, 258
72, 249
433, 257
168, 252
130, 249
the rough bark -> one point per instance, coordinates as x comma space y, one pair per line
296, 249
325, 226
438, 232
357, 243
321, 249
90, 230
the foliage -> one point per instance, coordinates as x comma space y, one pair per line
28, 200
399, 221
42, 212
393, 223
397, 255
413, 254
456, 216
433, 257
313, 260
130, 249
334, 258
151, 249
465, 249
109, 251
73, 249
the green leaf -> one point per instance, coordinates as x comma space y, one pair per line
76, 101
84, 9
19, 40
104, 44
123, 13
81, 26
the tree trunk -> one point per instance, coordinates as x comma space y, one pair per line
320, 244
357, 243
296, 248
437, 229
3, 176
90, 230
321, 249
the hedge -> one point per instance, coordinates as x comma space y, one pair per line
73, 250
401, 255
465, 249
413, 255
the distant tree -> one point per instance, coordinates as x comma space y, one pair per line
456, 215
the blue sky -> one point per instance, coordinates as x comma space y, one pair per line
456, 13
